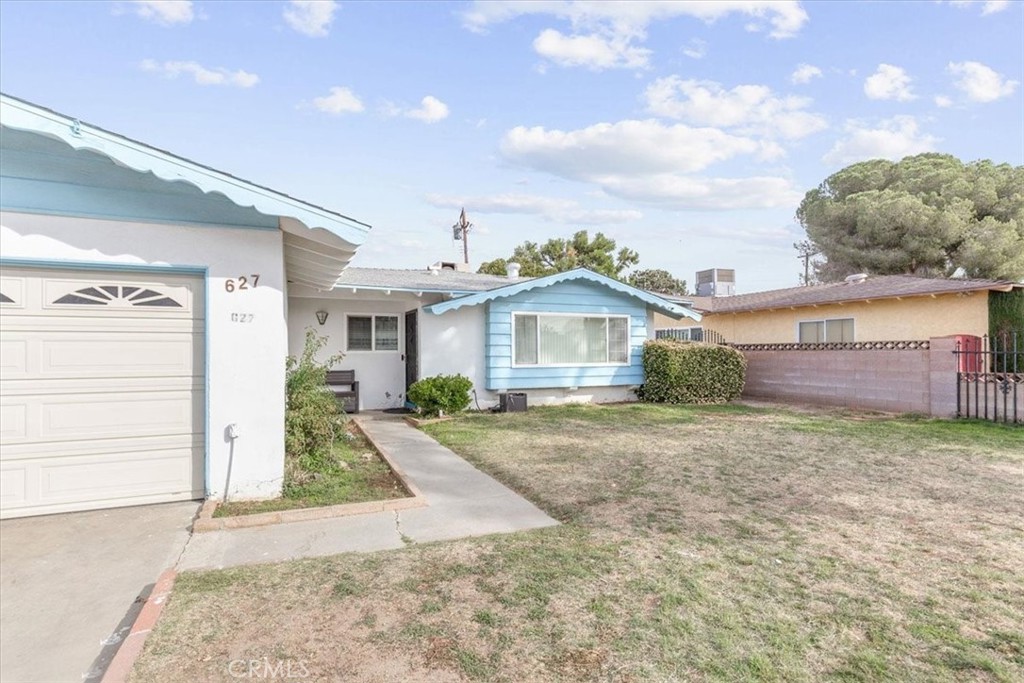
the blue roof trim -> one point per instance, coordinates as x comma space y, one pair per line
652, 300
20, 115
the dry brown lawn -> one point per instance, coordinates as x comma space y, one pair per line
699, 544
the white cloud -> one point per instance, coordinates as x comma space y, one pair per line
649, 161
626, 147
690, 192
752, 109
892, 139
339, 101
987, 6
310, 17
993, 6
696, 49
166, 12
980, 83
592, 51
785, 17
605, 34
943, 101
550, 209
888, 83
804, 74
201, 74
431, 110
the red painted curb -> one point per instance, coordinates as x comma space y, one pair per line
121, 665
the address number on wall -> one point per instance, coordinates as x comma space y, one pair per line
242, 317
241, 282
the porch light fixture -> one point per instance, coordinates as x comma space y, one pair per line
321, 317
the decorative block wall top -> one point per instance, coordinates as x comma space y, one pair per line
840, 346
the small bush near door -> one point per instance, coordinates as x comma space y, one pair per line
443, 394
688, 372
312, 417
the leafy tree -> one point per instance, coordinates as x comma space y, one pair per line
559, 255
657, 280
929, 214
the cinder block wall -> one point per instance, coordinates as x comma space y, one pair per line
906, 381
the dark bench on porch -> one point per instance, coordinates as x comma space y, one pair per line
345, 387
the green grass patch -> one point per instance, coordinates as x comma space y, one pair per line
355, 473
702, 543
980, 436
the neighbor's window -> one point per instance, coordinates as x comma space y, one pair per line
543, 339
818, 331
373, 333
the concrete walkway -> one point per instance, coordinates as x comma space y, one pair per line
461, 501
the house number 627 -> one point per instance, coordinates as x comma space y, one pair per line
242, 282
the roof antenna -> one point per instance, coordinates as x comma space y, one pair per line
460, 231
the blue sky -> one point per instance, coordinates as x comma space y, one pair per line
688, 131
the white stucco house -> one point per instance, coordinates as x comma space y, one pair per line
147, 304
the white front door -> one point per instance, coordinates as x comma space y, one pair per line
101, 389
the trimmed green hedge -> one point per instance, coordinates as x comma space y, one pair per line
443, 394
688, 372
1005, 312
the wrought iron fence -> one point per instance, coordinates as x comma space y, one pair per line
696, 334
990, 377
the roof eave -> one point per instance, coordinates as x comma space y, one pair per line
997, 287
329, 230
651, 300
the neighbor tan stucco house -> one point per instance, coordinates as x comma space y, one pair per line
881, 308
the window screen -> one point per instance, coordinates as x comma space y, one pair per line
385, 333
526, 339
834, 330
570, 340
839, 330
360, 333
812, 333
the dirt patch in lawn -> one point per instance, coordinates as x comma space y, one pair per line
356, 474
734, 543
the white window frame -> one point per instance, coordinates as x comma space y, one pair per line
373, 332
824, 322
607, 334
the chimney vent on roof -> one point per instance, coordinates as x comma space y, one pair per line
451, 265
856, 278
512, 270
434, 269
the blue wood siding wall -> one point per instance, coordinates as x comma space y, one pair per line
564, 297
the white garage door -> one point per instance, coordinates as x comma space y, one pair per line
101, 390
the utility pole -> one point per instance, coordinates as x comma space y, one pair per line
460, 231
807, 251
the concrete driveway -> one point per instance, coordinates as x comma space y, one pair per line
69, 583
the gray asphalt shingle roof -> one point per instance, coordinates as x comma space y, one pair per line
422, 280
879, 287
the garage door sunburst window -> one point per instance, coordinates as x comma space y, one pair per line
118, 295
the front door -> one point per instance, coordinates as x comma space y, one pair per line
412, 371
